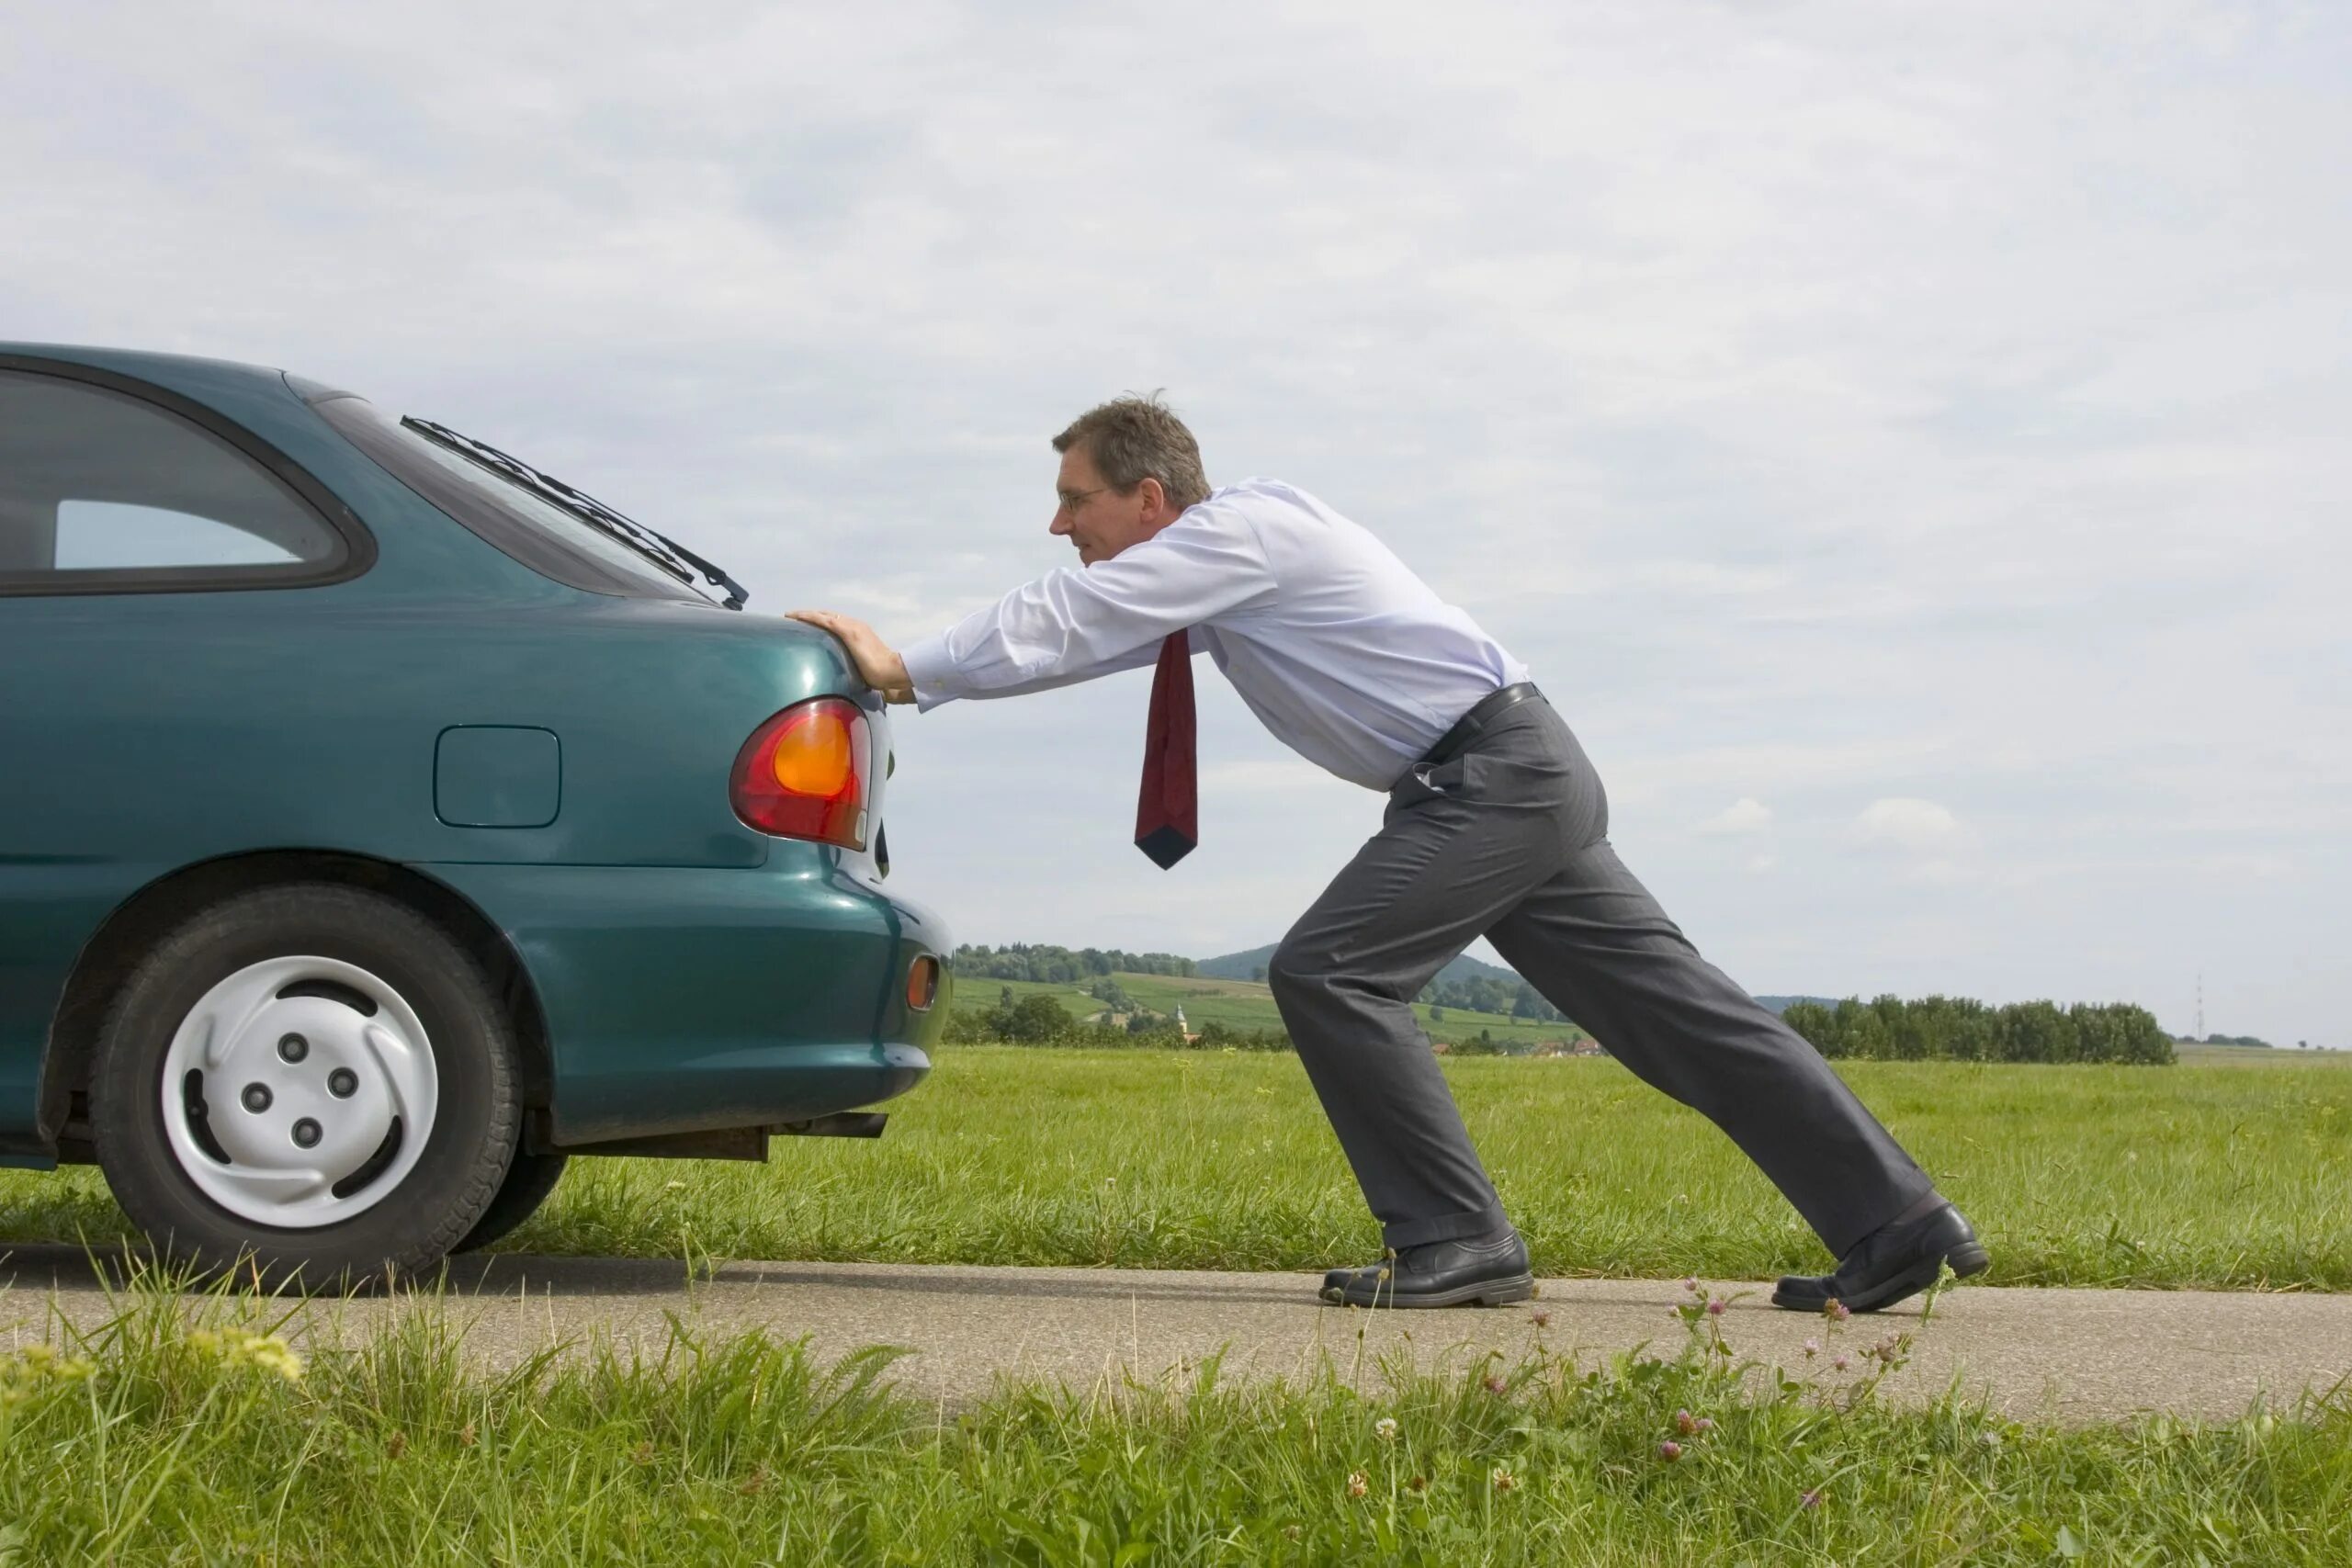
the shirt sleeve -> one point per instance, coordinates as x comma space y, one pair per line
1083, 622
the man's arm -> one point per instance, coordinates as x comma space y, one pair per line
1074, 624
884, 669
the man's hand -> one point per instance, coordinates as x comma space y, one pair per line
878, 665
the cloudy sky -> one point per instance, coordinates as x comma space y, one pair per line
1907, 441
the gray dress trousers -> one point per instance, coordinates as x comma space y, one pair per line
1508, 838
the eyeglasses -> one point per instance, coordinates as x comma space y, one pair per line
1072, 500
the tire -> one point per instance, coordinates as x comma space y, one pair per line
528, 1182
261, 1081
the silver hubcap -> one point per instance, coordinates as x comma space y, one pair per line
294, 1096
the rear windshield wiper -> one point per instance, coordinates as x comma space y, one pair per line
660, 548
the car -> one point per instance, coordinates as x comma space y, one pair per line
385, 822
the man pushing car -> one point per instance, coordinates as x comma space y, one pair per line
1495, 826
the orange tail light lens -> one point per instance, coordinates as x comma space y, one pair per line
922, 983
813, 757
803, 773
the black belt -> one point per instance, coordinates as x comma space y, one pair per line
1465, 729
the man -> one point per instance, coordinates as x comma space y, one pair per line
1495, 826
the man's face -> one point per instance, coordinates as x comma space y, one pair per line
1096, 518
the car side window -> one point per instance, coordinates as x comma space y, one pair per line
103, 491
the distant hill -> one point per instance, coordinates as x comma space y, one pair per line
1245, 967
1782, 1004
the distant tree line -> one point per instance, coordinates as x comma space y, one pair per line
1509, 996
1216, 1035
1027, 960
1489, 993
1955, 1029
2233, 1040
1114, 997
1041, 1020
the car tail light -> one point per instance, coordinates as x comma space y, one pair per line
803, 773
922, 983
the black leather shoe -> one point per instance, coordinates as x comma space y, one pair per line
1889, 1264
1486, 1270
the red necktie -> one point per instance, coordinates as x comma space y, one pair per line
1167, 817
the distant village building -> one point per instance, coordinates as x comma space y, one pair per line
1583, 1045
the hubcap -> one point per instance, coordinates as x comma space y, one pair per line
303, 1110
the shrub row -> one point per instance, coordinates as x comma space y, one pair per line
1888, 1028
1060, 966
1042, 1021
1956, 1028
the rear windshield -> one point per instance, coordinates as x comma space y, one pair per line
513, 517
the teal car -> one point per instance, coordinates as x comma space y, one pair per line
384, 822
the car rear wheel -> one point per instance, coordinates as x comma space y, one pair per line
312, 1081
529, 1182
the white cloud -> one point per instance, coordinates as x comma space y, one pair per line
1742, 816
1906, 824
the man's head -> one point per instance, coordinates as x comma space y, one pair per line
1129, 469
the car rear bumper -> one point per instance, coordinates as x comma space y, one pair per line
687, 1000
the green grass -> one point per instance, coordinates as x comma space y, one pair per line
2187, 1176
1245, 1004
147, 1443
2195, 1055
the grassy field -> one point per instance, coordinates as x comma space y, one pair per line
2205, 1175
2254, 1056
1245, 1004
150, 1443
146, 1442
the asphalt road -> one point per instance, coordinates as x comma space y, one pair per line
2064, 1355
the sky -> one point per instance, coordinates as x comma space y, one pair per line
1906, 443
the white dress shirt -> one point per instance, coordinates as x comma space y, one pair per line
1350, 659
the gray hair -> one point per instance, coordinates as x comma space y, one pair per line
1132, 439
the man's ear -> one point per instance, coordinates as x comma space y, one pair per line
1155, 496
